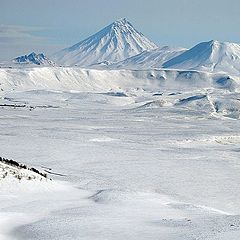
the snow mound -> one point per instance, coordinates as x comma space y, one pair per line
219, 106
228, 107
116, 94
34, 59
113, 43
199, 103
213, 56
10, 169
106, 196
155, 104
225, 82
191, 99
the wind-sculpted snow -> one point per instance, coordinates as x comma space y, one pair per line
114, 43
104, 80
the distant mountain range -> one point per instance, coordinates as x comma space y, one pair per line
120, 45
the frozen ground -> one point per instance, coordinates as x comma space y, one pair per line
134, 164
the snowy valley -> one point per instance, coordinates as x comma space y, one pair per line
137, 141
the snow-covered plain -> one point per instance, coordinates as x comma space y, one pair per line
148, 154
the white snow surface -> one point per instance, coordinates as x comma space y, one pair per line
212, 56
144, 154
113, 43
75, 78
149, 59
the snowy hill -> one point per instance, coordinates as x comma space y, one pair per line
34, 59
150, 58
96, 80
114, 43
14, 170
210, 56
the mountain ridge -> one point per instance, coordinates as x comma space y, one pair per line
150, 58
212, 56
33, 58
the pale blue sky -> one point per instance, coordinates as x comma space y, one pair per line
49, 25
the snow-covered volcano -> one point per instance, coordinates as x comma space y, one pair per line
211, 56
114, 43
150, 58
